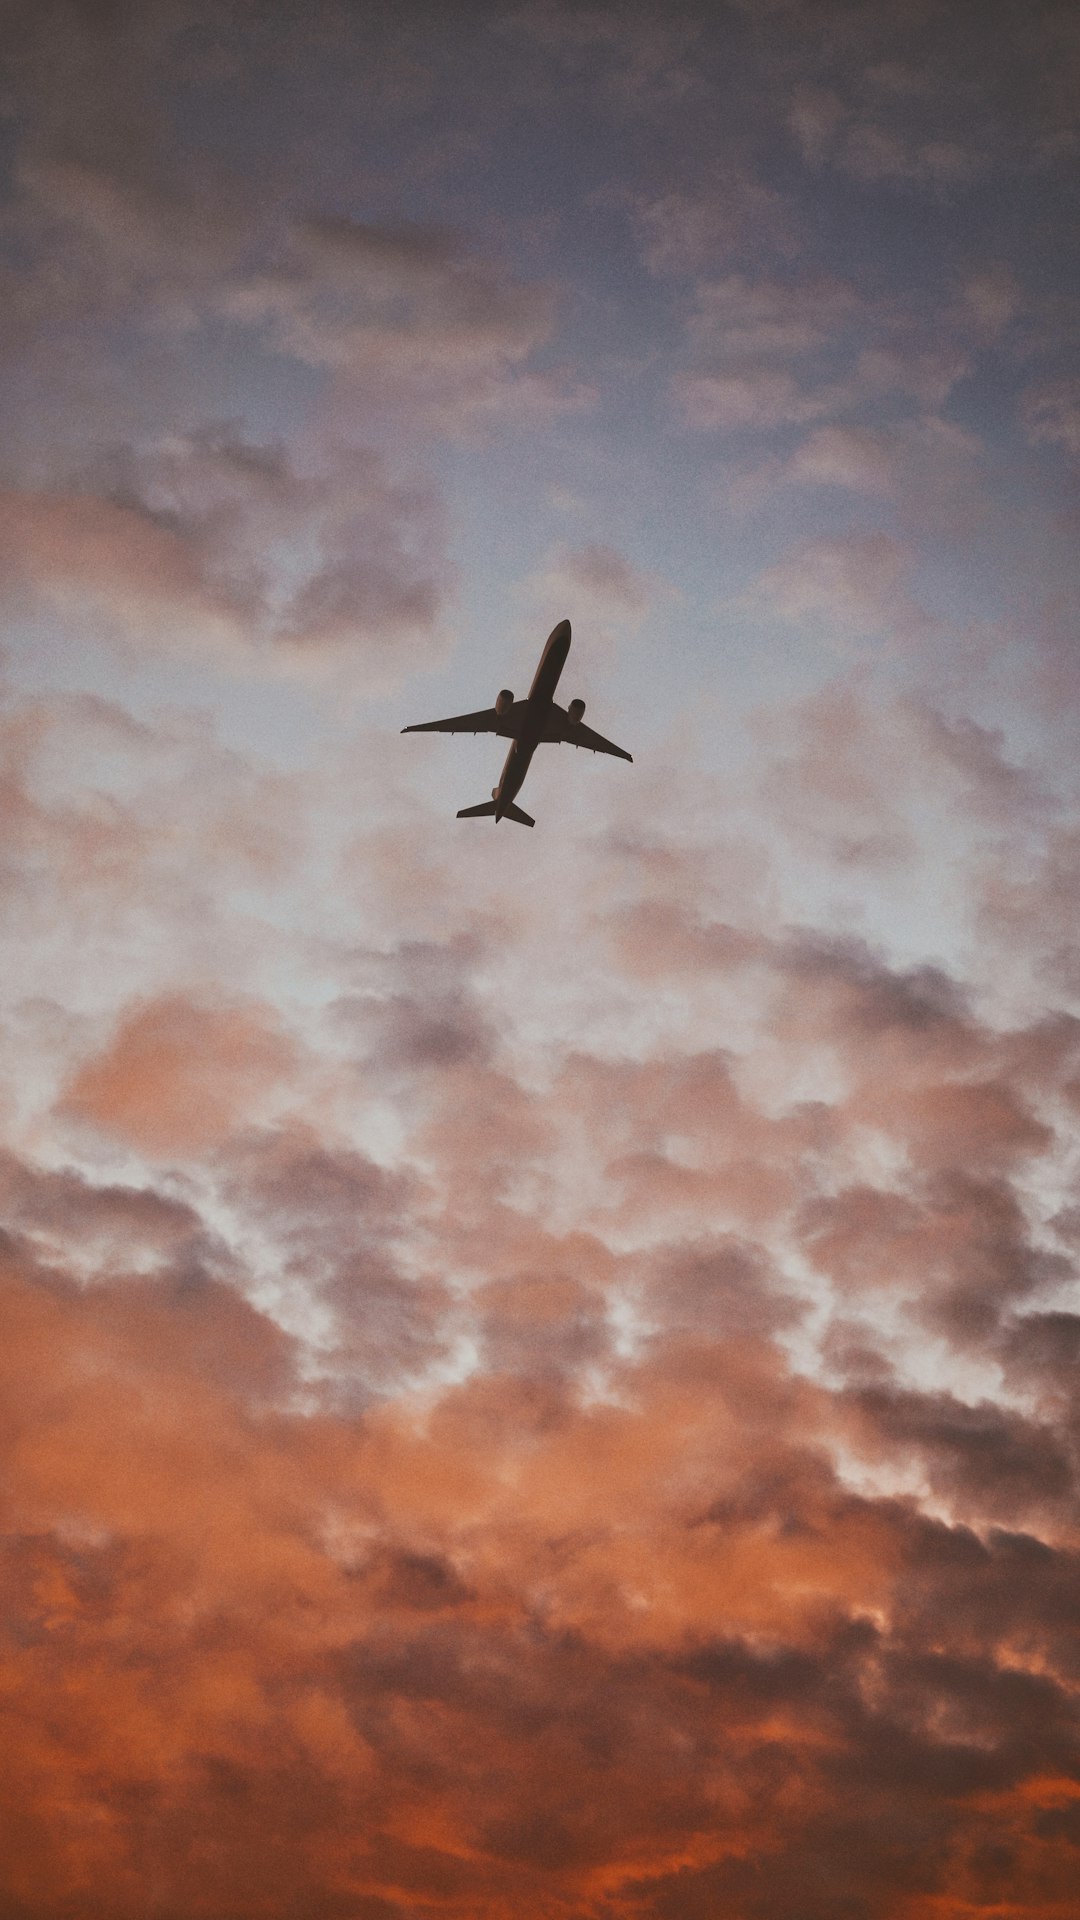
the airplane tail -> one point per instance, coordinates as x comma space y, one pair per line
488, 807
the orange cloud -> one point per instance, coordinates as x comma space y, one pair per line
178, 1075
508, 1653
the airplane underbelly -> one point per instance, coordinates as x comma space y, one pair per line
552, 663
515, 769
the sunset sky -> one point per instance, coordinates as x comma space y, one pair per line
540, 1368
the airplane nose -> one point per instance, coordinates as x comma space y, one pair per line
561, 632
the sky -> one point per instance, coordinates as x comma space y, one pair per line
540, 1367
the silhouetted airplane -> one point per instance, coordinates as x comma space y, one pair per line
527, 723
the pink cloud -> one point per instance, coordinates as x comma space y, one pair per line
178, 1076
853, 585
211, 548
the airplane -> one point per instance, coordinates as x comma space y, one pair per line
528, 723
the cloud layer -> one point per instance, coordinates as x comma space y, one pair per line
649, 1487
539, 1370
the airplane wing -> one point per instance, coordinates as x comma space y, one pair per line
577, 734
487, 721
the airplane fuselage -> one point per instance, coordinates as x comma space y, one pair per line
537, 709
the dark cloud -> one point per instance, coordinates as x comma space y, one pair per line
957, 1246
721, 1290
420, 1009
107, 1225
986, 1459
334, 1217
900, 97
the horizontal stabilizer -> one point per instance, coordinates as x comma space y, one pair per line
488, 807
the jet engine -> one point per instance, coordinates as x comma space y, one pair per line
575, 711
504, 701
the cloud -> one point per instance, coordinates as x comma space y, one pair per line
111, 215
937, 118
334, 1219
985, 1459
750, 341
97, 1228
931, 471
361, 1656
992, 786
874, 153
993, 296
857, 458
237, 246
487, 1563
176, 1077
847, 773
1050, 412
129, 841
1024, 907
854, 585
754, 397
538, 1376
767, 353
694, 231
208, 545
832, 789
406, 316
419, 1009
610, 597
635, 61
816, 115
